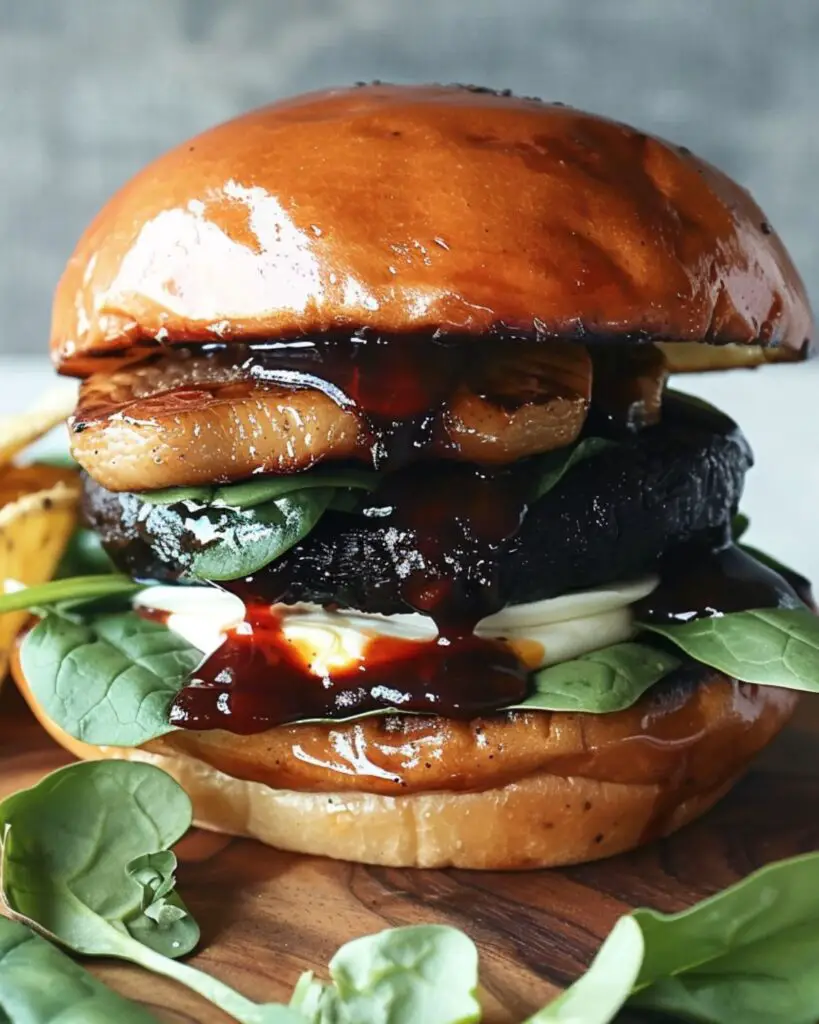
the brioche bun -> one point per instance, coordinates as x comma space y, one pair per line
668, 760
432, 208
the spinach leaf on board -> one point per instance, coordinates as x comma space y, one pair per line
40, 985
110, 679
406, 975
598, 995
86, 860
261, 489
68, 851
769, 646
66, 592
748, 954
83, 862
553, 466
600, 682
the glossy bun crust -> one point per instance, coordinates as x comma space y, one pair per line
530, 791
407, 209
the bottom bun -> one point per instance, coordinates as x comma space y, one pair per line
543, 819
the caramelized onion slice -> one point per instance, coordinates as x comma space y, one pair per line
519, 404
176, 425
189, 418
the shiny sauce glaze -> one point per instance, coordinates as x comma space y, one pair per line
256, 680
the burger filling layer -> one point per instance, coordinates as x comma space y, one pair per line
437, 563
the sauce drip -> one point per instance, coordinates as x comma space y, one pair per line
256, 679
459, 518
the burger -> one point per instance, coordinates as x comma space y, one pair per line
420, 562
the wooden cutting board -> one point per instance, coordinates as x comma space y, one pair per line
268, 916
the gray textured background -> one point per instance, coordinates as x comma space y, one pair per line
92, 89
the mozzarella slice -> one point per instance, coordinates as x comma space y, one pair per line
541, 632
578, 605
201, 615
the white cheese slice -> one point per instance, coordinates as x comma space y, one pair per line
542, 632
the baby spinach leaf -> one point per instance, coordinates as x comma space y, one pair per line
770, 646
400, 976
73, 856
163, 910
740, 525
602, 681
598, 995
239, 542
109, 679
266, 488
67, 592
259, 490
78, 854
40, 985
748, 954
553, 466
177, 495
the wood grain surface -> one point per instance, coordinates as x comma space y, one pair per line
268, 916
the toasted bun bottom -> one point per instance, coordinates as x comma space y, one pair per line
542, 819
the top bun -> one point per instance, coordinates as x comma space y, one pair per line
429, 208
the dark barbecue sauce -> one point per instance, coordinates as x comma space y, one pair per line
459, 517
702, 584
257, 679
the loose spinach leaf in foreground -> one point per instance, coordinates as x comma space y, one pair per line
602, 681
109, 679
74, 857
749, 954
423, 973
599, 995
770, 646
86, 861
40, 985
65, 592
